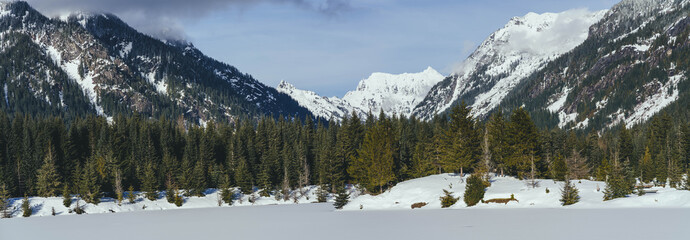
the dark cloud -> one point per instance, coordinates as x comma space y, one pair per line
162, 18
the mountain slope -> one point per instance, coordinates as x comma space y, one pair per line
634, 64
395, 94
525, 45
120, 70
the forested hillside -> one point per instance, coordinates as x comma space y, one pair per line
43, 156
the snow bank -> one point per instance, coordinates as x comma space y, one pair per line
430, 189
320, 221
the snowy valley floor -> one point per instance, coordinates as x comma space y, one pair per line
537, 215
319, 221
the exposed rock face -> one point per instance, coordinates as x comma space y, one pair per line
120, 70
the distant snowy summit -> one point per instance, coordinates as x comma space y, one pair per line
395, 94
523, 46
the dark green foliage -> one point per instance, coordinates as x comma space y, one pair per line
617, 186
178, 200
66, 196
342, 197
47, 183
447, 199
559, 168
474, 190
461, 150
569, 193
4, 202
322, 194
26, 208
131, 196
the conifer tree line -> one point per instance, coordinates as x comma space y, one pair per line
50, 156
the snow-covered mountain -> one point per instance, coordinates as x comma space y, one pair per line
633, 65
395, 94
525, 45
95, 63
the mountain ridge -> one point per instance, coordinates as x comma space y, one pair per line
395, 94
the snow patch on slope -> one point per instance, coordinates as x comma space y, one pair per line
160, 85
560, 101
72, 69
7, 100
664, 96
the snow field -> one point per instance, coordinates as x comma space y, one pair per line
430, 189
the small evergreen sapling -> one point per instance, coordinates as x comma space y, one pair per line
130, 195
569, 193
447, 199
178, 198
342, 198
4, 202
66, 196
322, 194
26, 208
474, 190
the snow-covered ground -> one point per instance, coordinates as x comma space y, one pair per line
537, 215
430, 189
320, 221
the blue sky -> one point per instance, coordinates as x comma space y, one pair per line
326, 45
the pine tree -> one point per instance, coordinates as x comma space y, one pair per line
322, 194
243, 176
447, 199
226, 192
616, 184
26, 208
342, 198
496, 130
131, 196
474, 190
47, 183
523, 142
66, 196
4, 202
373, 167
647, 167
150, 182
569, 193
89, 187
199, 179
559, 168
462, 141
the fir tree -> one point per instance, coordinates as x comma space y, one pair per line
474, 190
462, 141
569, 193
616, 184
342, 198
26, 208
447, 199
243, 176
373, 167
226, 192
66, 196
4, 202
559, 168
131, 196
89, 187
199, 182
322, 194
150, 182
47, 182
